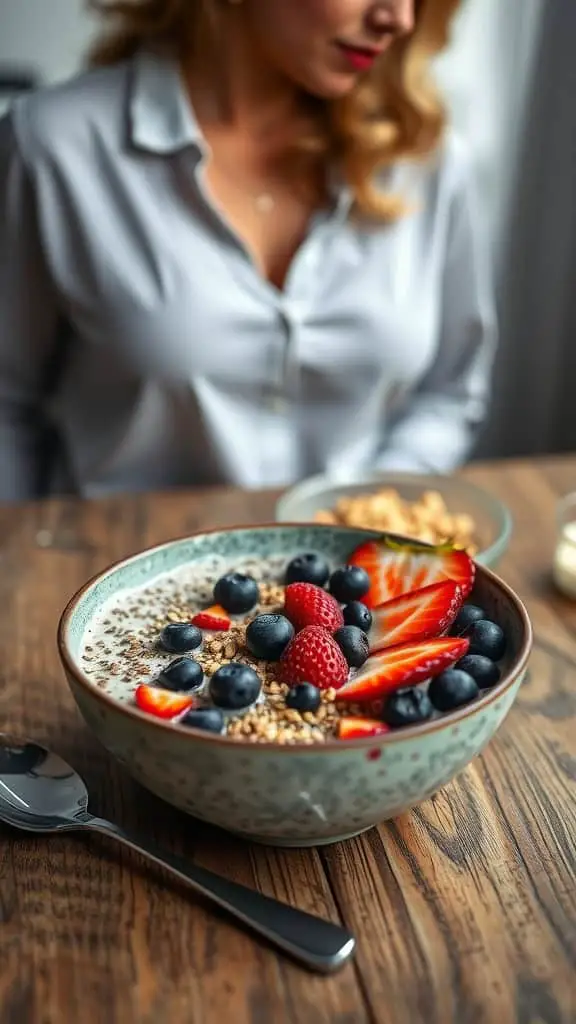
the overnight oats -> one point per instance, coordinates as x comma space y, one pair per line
298, 651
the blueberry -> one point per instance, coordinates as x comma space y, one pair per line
452, 689
353, 643
178, 637
407, 707
268, 636
234, 686
181, 674
236, 593
349, 584
357, 614
468, 614
207, 719
487, 639
303, 697
484, 671
308, 568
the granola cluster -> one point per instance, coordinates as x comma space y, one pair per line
426, 519
127, 656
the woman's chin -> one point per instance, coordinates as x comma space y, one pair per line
331, 85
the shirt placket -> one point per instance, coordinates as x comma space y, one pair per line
277, 438
294, 305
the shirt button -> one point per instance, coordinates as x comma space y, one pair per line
311, 261
277, 404
293, 311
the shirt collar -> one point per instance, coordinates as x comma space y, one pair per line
340, 193
161, 118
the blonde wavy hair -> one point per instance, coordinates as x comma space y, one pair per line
393, 113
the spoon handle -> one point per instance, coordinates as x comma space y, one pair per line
320, 945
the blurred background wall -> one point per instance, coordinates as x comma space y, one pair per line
45, 36
510, 80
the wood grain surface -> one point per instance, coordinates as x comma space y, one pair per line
464, 910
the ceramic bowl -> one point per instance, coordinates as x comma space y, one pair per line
493, 520
286, 795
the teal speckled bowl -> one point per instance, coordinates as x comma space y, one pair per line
286, 795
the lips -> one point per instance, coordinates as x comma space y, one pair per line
360, 58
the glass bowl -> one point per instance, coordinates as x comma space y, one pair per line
492, 518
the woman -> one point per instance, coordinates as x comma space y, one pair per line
239, 249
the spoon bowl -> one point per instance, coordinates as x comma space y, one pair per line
37, 784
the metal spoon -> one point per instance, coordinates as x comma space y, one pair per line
39, 792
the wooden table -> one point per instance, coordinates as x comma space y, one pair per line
465, 909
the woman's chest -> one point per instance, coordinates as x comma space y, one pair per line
168, 292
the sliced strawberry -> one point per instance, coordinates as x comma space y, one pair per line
313, 656
214, 618
404, 665
305, 604
396, 568
359, 728
418, 615
162, 703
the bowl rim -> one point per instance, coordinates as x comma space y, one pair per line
308, 488
329, 746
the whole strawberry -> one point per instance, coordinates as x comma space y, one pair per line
309, 605
313, 656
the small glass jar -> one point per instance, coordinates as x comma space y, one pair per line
564, 566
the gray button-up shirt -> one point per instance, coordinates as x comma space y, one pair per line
133, 319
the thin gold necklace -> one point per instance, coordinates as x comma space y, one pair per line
264, 203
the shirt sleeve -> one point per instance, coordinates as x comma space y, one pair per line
28, 324
436, 428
